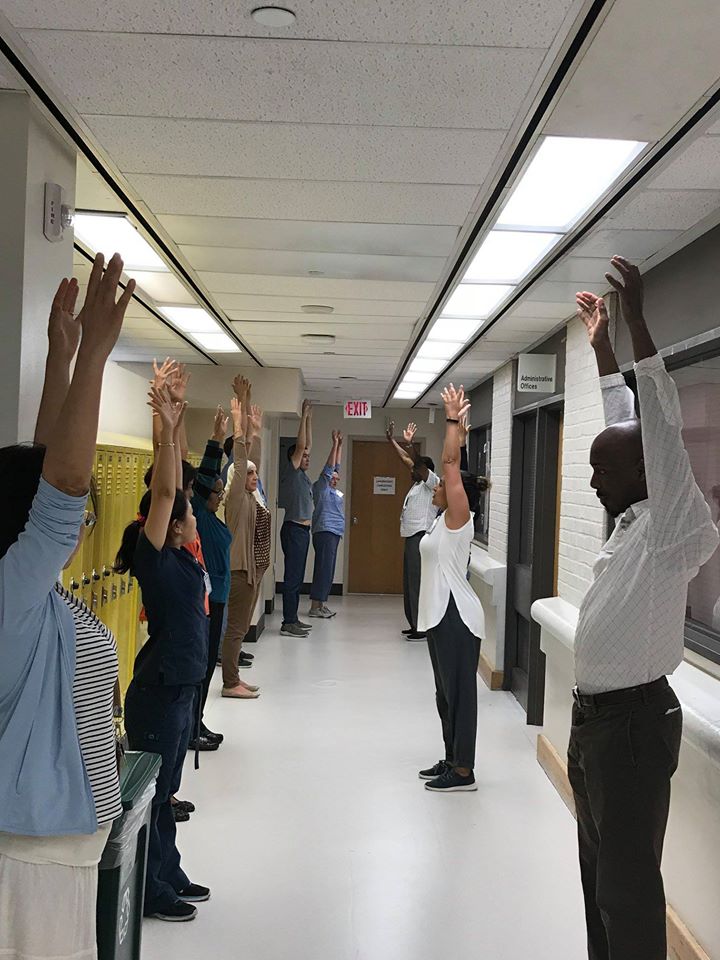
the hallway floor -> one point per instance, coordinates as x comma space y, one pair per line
320, 842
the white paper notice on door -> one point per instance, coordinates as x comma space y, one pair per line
385, 486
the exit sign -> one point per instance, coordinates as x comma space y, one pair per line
358, 410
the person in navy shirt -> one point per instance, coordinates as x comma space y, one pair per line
328, 527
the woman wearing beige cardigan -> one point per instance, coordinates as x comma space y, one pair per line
250, 524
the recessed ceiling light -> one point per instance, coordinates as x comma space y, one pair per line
217, 342
476, 299
507, 255
317, 308
191, 319
438, 349
453, 329
273, 16
111, 233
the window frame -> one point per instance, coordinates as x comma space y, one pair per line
474, 455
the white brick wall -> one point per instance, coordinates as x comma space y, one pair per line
582, 517
500, 463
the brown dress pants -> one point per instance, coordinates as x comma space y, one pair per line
241, 604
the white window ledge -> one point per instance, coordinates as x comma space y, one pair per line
492, 572
698, 692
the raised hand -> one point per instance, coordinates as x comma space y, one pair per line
220, 425
340, 438
255, 419
307, 408
456, 404
465, 427
241, 387
101, 317
162, 372
630, 290
177, 383
390, 432
409, 432
169, 413
593, 313
63, 329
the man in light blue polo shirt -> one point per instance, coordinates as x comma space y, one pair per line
296, 497
328, 527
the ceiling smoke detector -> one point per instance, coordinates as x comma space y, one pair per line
321, 339
317, 308
273, 16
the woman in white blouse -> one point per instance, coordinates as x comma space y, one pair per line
450, 611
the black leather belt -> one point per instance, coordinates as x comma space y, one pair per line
612, 697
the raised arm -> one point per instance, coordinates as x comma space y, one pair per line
71, 446
390, 435
164, 483
458, 508
177, 387
209, 469
464, 431
63, 340
338, 451
680, 519
161, 373
304, 435
409, 446
254, 442
240, 458
618, 399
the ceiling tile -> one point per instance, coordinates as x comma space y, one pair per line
556, 293
339, 320
349, 266
301, 200
292, 305
490, 23
365, 332
536, 313
666, 209
696, 167
317, 289
579, 270
291, 151
288, 81
634, 244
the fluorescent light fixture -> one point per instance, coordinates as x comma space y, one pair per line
507, 255
406, 395
191, 319
564, 179
476, 299
438, 349
426, 365
418, 379
453, 329
113, 233
217, 342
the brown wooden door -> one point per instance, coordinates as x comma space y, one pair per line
376, 547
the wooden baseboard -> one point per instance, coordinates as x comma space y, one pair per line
682, 945
493, 678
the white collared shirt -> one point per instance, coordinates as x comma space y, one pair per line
632, 620
418, 513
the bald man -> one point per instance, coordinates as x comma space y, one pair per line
627, 722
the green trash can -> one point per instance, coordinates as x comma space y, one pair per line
121, 879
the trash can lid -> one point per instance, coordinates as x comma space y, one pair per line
137, 770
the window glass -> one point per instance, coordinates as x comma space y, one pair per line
479, 464
699, 389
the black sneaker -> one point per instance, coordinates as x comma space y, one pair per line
209, 735
202, 744
194, 893
452, 782
292, 630
178, 912
180, 816
187, 805
244, 664
433, 772
415, 635
244, 655
406, 632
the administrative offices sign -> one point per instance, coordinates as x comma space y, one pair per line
536, 373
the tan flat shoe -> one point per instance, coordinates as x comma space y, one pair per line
240, 693
249, 686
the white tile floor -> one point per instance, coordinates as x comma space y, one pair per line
319, 841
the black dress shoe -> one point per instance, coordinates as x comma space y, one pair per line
180, 815
416, 635
209, 735
187, 805
406, 632
202, 743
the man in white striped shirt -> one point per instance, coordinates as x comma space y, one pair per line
627, 722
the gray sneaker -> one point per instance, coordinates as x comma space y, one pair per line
292, 630
320, 612
303, 626
328, 612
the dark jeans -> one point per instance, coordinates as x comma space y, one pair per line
217, 622
411, 578
295, 540
159, 720
454, 653
620, 761
326, 548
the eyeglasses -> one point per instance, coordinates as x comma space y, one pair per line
89, 520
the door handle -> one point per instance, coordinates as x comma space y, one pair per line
354, 521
